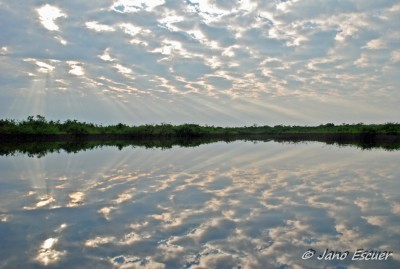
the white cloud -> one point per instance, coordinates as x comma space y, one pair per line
106, 56
76, 68
129, 6
48, 15
130, 29
43, 67
395, 56
61, 40
230, 51
347, 30
4, 50
363, 61
122, 69
169, 20
170, 47
285, 5
375, 44
139, 42
96, 26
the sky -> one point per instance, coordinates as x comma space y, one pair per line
220, 62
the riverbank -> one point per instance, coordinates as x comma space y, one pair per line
37, 136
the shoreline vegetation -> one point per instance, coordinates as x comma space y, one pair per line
36, 136
36, 126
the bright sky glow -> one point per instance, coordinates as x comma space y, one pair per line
208, 62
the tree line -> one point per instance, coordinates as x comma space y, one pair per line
38, 125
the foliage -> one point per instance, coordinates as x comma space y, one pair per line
40, 126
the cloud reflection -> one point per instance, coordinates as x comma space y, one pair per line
237, 205
47, 254
76, 199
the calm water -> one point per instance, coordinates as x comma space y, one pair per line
236, 205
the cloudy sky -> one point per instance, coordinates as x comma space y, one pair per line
214, 62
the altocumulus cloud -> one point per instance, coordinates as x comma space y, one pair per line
209, 62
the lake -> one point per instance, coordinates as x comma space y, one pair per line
220, 205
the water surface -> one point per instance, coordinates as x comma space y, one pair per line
236, 205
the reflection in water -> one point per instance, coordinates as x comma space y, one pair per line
238, 205
39, 147
47, 255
